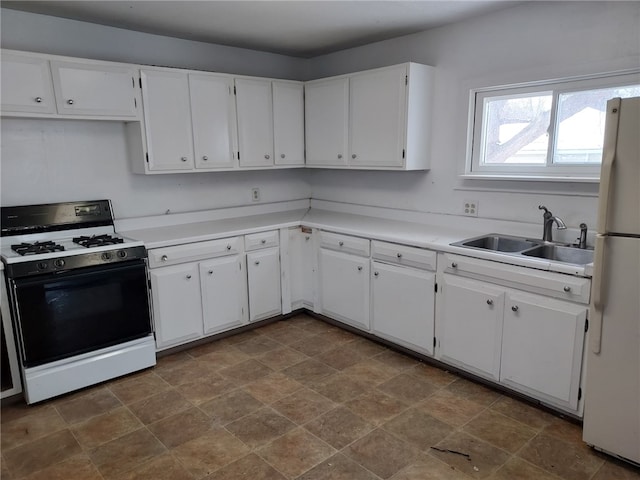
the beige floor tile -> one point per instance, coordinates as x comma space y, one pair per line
261, 427
430, 468
159, 406
181, 427
339, 427
81, 408
185, 372
564, 430
418, 429
303, 405
138, 388
272, 388
371, 372
340, 358
172, 360
78, 467
162, 467
223, 358
119, 456
310, 324
246, 372
250, 467
295, 452
518, 469
522, 412
483, 459
338, 467
282, 358
106, 427
613, 469
309, 372
338, 336
433, 375
376, 407
407, 388
366, 348
450, 408
206, 348
26, 428
206, 388
240, 337
230, 407
286, 335
41, 453
500, 430
258, 345
381, 453
210, 452
473, 391
396, 360
312, 345
341, 388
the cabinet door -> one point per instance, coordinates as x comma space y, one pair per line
255, 122
167, 116
94, 90
344, 287
402, 305
326, 122
213, 119
469, 328
263, 273
177, 308
377, 117
542, 344
223, 286
288, 123
301, 253
26, 85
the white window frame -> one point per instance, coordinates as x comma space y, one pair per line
578, 172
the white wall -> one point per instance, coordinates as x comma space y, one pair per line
60, 160
534, 41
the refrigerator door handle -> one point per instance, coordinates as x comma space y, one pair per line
598, 295
608, 158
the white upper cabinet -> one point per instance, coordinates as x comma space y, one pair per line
254, 105
26, 84
86, 89
213, 120
288, 122
167, 116
327, 122
377, 119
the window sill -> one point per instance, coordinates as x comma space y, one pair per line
529, 178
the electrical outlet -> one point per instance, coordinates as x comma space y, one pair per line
470, 208
255, 194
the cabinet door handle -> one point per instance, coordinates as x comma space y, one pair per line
205, 158
282, 155
454, 265
38, 99
489, 302
514, 308
399, 255
567, 288
210, 272
184, 159
228, 247
267, 157
339, 155
188, 277
263, 241
359, 268
257, 262
341, 243
70, 101
353, 155
164, 258
375, 274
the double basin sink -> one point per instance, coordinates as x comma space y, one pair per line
518, 246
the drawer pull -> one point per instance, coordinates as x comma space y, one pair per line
359, 268
341, 243
399, 255
38, 99
454, 265
257, 262
228, 247
567, 288
263, 241
210, 272
375, 274
205, 158
514, 308
164, 258
188, 277
70, 101
489, 302
184, 159
339, 155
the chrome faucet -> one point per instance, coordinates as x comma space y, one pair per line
549, 218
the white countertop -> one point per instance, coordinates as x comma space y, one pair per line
408, 233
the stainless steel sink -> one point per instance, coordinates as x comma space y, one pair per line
577, 256
499, 243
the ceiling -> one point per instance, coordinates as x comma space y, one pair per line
302, 28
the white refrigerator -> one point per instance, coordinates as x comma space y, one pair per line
612, 384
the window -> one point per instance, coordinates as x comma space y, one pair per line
546, 130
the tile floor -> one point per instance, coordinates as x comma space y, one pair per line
297, 399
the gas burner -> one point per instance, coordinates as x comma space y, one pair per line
97, 240
36, 248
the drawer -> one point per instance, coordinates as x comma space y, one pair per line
567, 287
403, 255
160, 257
255, 241
345, 243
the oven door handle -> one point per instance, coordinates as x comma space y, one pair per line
79, 273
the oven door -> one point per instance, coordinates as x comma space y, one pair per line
78, 311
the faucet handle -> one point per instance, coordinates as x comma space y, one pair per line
542, 207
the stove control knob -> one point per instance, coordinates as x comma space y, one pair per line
58, 263
121, 254
106, 256
42, 265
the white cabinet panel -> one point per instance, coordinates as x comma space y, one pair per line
288, 123
167, 117
344, 287
470, 325
26, 84
84, 89
254, 105
177, 310
301, 253
377, 117
542, 344
213, 119
223, 285
327, 122
263, 273
403, 306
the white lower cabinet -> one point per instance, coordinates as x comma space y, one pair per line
402, 305
263, 274
224, 293
177, 311
344, 287
470, 330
